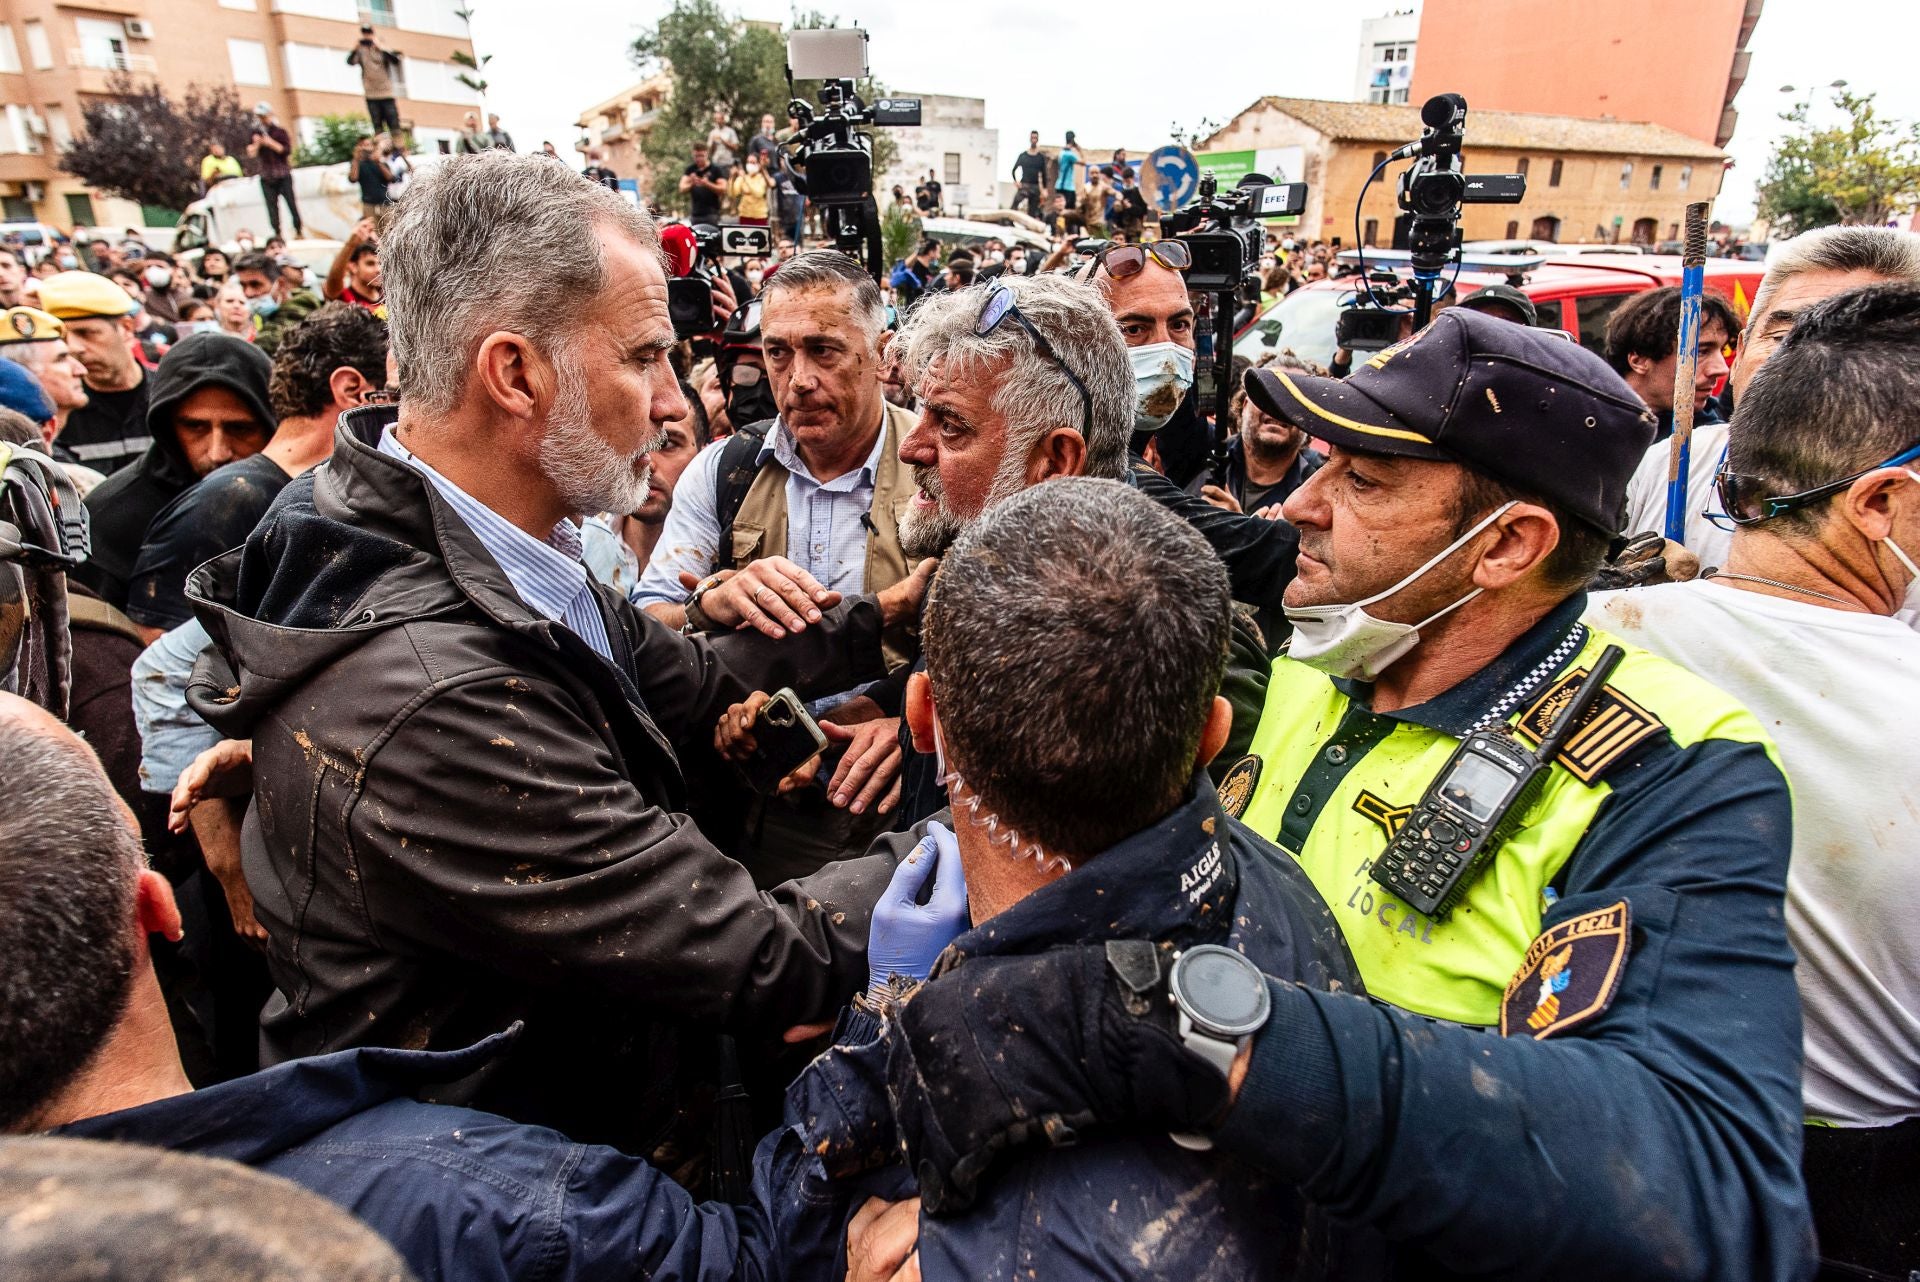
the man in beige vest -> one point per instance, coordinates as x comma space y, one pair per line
802, 510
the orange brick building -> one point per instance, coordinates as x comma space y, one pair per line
1587, 180
56, 57
1673, 64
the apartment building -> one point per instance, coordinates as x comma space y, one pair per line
57, 56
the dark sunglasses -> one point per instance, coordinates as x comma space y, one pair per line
1122, 261
999, 307
1744, 501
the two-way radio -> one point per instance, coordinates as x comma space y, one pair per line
1473, 807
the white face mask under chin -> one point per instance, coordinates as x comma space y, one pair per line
1345, 641
1909, 609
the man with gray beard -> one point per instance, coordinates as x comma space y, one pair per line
470, 761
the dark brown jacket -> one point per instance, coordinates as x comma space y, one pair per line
463, 816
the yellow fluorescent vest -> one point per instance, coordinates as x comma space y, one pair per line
1355, 777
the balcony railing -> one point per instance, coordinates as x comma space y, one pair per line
138, 64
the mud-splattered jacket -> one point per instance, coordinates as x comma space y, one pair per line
463, 816
1111, 1207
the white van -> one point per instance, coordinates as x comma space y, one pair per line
329, 207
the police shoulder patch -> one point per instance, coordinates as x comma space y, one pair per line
1569, 975
1237, 785
1613, 725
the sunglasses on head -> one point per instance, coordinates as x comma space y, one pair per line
1744, 499
1001, 307
1122, 261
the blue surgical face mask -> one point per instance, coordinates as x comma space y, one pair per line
263, 306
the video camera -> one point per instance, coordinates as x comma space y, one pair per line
1435, 187
830, 160
1225, 240
689, 296
1432, 192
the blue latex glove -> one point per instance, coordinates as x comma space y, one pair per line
907, 936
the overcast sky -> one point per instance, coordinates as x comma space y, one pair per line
1129, 73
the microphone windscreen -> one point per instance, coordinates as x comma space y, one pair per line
677, 240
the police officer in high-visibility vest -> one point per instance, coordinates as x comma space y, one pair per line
1578, 1055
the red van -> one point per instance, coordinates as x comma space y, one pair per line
1576, 293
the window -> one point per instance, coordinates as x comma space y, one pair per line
1379, 159
1371, 237
1522, 165
426, 80
338, 10
1653, 179
1546, 227
1644, 230
38, 50
1513, 229
380, 13
18, 209
1626, 175
950, 169
58, 129
9, 51
1673, 231
1593, 311
1686, 177
1549, 314
318, 67
102, 44
249, 61
80, 208
440, 17
1553, 177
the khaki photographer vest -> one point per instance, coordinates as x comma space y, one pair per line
760, 526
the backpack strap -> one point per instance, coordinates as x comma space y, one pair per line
732, 478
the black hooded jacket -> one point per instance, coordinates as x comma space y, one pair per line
121, 507
463, 816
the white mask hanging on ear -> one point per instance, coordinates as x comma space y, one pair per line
1346, 641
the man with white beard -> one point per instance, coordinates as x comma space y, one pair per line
467, 755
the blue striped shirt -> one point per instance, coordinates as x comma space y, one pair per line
548, 575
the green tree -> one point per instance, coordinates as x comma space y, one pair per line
716, 60
899, 233
1861, 170
333, 139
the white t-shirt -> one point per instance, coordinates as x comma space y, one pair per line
1839, 692
1647, 494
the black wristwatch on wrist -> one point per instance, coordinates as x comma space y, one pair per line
1222, 1001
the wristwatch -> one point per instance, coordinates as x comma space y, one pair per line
1222, 1001
697, 620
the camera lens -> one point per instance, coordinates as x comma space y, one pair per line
1435, 195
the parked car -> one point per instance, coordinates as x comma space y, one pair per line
1576, 294
35, 240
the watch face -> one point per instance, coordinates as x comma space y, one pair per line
1220, 990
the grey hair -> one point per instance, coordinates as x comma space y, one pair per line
1074, 594
1033, 395
831, 269
29, 356
1883, 251
1836, 397
493, 242
70, 861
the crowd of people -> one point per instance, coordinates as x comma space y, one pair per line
886, 788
